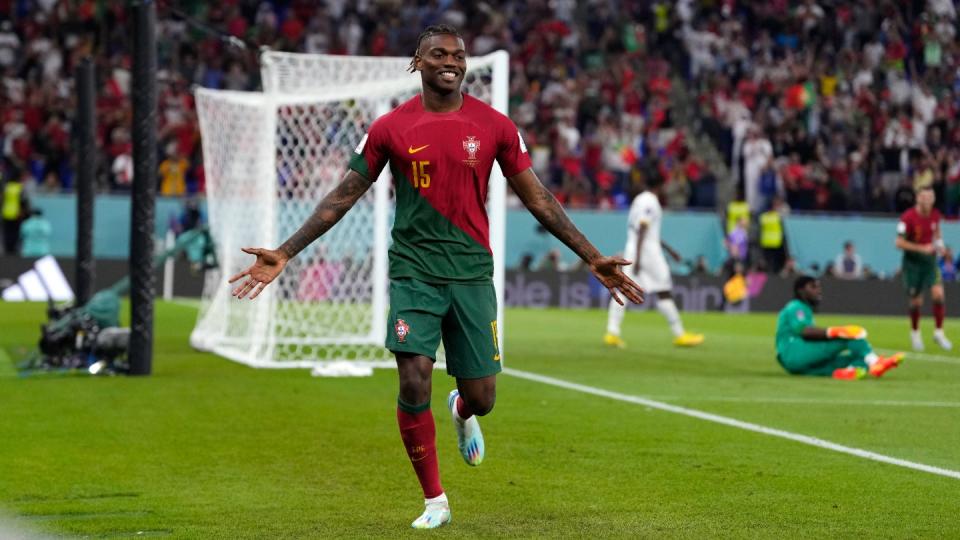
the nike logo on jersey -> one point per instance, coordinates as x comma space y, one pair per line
413, 150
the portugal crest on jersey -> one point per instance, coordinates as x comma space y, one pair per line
471, 145
402, 329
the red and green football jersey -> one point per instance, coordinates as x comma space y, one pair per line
921, 230
441, 165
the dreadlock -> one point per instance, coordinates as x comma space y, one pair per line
432, 30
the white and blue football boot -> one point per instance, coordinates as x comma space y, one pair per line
436, 513
469, 436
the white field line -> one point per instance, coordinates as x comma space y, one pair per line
195, 303
796, 437
910, 355
815, 401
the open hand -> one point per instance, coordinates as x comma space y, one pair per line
269, 264
608, 271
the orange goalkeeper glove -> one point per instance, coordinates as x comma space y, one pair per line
850, 331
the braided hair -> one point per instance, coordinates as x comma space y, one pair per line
432, 30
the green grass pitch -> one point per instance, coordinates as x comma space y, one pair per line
206, 448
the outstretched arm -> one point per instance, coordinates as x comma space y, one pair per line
544, 206
270, 262
328, 213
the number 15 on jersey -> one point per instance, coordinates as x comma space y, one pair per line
420, 178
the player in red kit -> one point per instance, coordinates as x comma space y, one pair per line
919, 236
440, 146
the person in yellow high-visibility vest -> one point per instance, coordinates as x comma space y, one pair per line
773, 241
13, 208
737, 209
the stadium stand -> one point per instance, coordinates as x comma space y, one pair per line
588, 89
808, 100
803, 100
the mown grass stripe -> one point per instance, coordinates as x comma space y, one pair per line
6, 365
732, 422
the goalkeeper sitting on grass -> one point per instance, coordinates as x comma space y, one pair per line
839, 351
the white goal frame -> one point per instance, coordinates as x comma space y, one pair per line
303, 79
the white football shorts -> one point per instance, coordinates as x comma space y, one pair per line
654, 275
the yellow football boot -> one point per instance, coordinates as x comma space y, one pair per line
614, 341
688, 339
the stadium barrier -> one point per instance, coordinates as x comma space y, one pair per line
579, 290
812, 239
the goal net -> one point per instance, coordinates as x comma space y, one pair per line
270, 157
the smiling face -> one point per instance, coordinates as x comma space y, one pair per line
442, 62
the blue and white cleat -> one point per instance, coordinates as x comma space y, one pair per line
942, 340
469, 437
433, 516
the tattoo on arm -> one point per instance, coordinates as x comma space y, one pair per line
327, 213
544, 206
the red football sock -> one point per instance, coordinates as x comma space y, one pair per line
462, 409
939, 311
419, 436
915, 317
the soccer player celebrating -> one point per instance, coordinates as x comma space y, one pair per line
440, 146
645, 250
919, 236
838, 351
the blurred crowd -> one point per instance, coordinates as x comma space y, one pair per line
590, 85
41, 43
833, 105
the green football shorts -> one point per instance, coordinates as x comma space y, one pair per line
919, 277
464, 315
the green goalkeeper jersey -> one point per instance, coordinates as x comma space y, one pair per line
793, 318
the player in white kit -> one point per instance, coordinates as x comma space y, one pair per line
645, 250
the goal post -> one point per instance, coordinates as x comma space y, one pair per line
270, 157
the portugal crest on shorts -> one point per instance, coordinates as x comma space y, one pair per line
402, 329
471, 145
